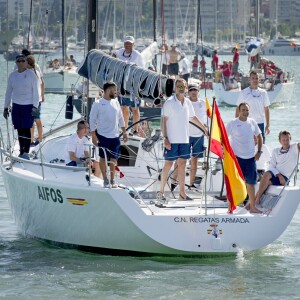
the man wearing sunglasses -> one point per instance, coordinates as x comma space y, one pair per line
23, 92
177, 112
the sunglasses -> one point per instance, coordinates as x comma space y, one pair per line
180, 86
21, 61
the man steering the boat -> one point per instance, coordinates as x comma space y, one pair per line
259, 103
282, 164
241, 131
177, 112
105, 118
130, 55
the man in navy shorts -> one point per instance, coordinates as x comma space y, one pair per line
241, 132
282, 164
105, 119
177, 112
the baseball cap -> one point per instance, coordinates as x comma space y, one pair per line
129, 39
193, 87
20, 56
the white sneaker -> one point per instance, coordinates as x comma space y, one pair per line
161, 200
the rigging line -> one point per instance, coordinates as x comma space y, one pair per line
29, 25
201, 36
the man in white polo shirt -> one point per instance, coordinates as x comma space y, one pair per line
259, 102
105, 119
177, 112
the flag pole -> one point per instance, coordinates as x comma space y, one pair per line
208, 154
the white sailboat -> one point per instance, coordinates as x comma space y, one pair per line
280, 94
70, 206
60, 74
280, 90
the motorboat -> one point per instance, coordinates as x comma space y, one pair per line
282, 46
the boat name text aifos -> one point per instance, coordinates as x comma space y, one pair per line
47, 194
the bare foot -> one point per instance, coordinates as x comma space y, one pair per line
257, 199
255, 211
247, 206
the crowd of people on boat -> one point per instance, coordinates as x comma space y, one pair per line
181, 140
229, 74
56, 64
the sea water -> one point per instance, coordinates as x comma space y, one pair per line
32, 269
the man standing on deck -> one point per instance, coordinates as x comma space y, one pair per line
196, 135
215, 61
130, 55
235, 63
23, 92
259, 103
105, 119
175, 56
177, 112
241, 131
185, 68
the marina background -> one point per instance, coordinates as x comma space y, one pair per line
33, 269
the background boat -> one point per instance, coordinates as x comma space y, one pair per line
282, 46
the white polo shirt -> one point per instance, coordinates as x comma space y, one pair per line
200, 111
133, 57
178, 117
106, 116
76, 145
257, 99
284, 162
241, 134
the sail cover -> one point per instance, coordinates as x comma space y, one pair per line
131, 79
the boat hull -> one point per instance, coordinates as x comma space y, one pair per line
281, 94
60, 82
94, 217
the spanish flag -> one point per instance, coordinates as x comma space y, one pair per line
234, 179
208, 108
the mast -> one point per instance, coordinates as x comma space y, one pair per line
257, 19
63, 33
198, 22
154, 21
91, 38
29, 27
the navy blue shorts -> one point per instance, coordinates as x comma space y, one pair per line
112, 146
261, 126
197, 145
128, 102
275, 180
177, 151
21, 116
248, 167
39, 111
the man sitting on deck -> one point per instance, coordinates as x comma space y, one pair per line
76, 150
282, 164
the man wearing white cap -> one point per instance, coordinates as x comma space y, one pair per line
130, 55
